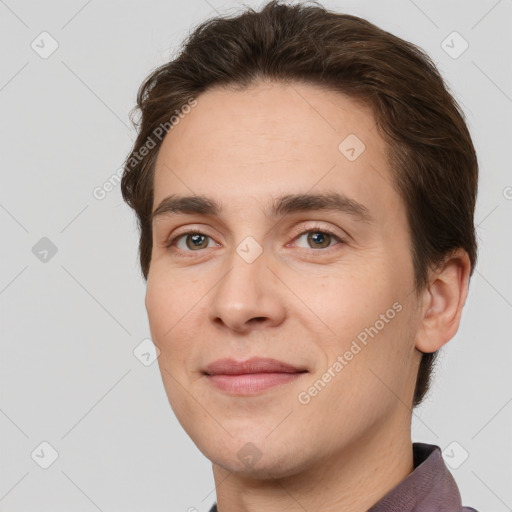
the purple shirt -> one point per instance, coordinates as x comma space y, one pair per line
429, 488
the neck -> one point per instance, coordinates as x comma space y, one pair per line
351, 480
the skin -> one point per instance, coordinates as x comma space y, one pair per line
298, 303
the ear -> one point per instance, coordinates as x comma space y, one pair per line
442, 302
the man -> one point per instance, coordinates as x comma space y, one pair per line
305, 189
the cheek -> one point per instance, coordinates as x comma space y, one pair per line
166, 311
364, 312
167, 305
346, 300
373, 381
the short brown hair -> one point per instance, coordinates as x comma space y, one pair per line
431, 153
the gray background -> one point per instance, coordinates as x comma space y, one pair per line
70, 323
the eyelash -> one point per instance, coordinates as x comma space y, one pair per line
314, 229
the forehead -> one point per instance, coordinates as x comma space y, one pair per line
272, 139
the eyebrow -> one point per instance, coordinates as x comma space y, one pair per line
287, 204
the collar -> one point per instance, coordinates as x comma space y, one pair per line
429, 487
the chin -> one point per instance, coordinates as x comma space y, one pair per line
259, 460
263, 470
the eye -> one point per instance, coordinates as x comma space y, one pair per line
193, 240
319, 238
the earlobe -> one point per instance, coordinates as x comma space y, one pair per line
443, 301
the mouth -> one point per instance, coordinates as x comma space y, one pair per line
251, 376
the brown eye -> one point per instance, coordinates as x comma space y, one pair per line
319, 239
193, 241
196, 241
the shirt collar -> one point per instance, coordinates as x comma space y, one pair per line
429, 487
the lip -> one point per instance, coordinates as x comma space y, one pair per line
253, 365
251, 376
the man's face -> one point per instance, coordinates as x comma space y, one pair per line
272, 284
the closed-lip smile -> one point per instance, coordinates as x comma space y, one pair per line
250, 376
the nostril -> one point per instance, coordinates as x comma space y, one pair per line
257, 319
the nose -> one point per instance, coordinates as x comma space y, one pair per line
248, 296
